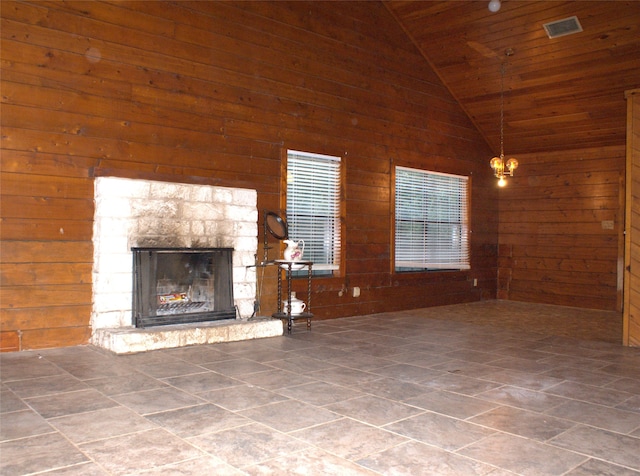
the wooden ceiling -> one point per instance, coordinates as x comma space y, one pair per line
562, 93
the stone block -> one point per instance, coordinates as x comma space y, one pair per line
237, 213
225, 228
201, 193
245, 309
116, 244
158, 208
104, 302
111, 320
106, 227
202, 211
113, 282
246, 244
152, 226
196, 228
245, 197
248, 229
120, 187
222, 195
168, 190
113, 264
243, 291
118, 207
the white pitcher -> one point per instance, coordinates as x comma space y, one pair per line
294, 250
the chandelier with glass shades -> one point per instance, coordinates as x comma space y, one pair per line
501, 168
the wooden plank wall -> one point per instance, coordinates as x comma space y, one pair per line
561, 229
215, 92
631, 323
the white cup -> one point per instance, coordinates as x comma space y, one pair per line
297, 306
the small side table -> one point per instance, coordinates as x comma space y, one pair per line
287, 267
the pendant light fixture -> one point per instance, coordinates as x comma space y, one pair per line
501, 168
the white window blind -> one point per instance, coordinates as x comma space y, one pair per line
313, 206
432, 222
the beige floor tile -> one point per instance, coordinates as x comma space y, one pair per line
523, 456
246, 445
197, 420
38, 453
138, 451
522, 423
417, 459
100, 424
349, 439
441, 431
289, 415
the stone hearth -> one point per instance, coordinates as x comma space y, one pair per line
132, 340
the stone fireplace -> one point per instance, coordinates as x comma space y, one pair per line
131, 214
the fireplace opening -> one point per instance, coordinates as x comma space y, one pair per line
182, 285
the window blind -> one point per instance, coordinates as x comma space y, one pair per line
431, 220
313, 206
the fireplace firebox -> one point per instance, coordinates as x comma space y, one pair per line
182, 285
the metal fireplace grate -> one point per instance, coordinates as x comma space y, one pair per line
179, 308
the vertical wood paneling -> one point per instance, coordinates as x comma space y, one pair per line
214, 92
631, 318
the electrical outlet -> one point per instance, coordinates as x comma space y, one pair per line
356, 291
475, 282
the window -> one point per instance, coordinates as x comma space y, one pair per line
313, 207
432, 221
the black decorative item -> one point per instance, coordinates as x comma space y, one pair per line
277, 227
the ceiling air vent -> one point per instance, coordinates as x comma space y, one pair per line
567, 26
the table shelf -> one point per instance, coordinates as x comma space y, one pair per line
287, 268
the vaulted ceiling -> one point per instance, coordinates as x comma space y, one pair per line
561, 93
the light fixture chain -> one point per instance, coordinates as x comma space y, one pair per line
502, 111
498, 164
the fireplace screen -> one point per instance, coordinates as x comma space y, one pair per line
176, 286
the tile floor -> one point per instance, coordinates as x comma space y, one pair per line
475, 389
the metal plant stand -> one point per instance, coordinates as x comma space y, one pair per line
287, 267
